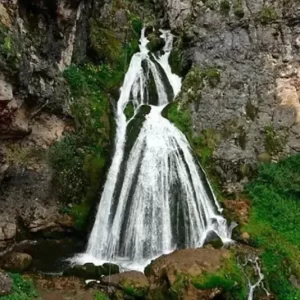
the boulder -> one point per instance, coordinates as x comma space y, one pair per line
5, 284
190, 262
110, 269
213, 239
133, 283
17, 262
86, 271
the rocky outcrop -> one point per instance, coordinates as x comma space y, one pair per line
252, 111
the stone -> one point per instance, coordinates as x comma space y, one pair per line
245, 236
86, 271
110, 269
5, 284
17, 262
133, 283
213, 239
191, 262
4, 16
6, 91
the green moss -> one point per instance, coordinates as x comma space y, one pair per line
229, 278
225, 7
156, 43
273, 143
134, 291
104, 42
274, 223
212, 75
238, 8
22, 289
9, 49
129, 111
251, 111
181, 118
176, 57
100, 296
267, 15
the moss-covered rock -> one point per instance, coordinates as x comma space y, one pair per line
186, 272
156, 43
273, 142
225, 7
132, 283
267, 15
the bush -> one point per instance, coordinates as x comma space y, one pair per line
23, 288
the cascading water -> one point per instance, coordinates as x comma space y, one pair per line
156, 197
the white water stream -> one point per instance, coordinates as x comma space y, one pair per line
156, 197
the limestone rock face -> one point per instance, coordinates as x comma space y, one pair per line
252, 112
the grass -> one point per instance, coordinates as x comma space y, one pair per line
22, 289
275, 221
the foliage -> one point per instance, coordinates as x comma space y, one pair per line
273, 143
181, 118
275, 221
9, 48
238, 8
79, 159
129, 110
267, 15
22, 289
100, 296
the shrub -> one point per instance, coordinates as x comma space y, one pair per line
23, 288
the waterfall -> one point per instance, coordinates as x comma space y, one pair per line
156, 197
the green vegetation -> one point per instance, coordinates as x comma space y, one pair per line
238, 8
156, 43
229, 278
9, 48
100, 296
129, 110
23, 288
275, 221
273, 143
267, 15
225, 7
80, 159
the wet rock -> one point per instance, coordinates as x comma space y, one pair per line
5, 284
17, 262
213, 239
6, 92
133, 283
86, 271
110, 269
